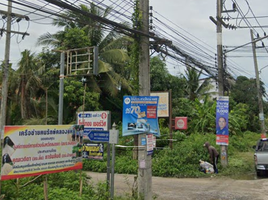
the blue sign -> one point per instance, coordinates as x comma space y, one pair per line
140, 115
97, 135
143, 141
85, 115
222, 112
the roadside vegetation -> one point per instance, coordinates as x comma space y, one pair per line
181, 162
183, 159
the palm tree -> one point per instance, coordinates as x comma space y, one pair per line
194, 87
28, 83
111, 83
113, 56
114, 71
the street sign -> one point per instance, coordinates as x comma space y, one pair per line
98, 136
181, 123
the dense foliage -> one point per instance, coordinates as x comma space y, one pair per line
61, 186
244, 91
183, 159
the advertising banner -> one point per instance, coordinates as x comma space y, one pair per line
36, 150
93, 151
96, 125
163, 103
222, 112
140, 115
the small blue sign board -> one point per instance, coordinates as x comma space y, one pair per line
85, 115
98, 135
143, 141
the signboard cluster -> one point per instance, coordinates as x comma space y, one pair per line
36, 150
140, 116
96, 125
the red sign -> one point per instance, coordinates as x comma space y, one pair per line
151, 111
222, 139
181, 123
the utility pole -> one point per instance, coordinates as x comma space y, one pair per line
145, 161
5, 71
224, 148
6, 66
261, 114
219, 49
61, 88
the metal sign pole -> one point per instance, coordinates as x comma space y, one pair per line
113, 139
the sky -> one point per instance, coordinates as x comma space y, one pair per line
193, 17
188, 17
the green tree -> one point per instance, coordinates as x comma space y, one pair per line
82, 31
159, 75
162, 80
245, 91
113, 56
194, 87
202, 119
238, 119
28, 83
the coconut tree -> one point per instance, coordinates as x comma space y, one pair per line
113, 56
82, 31
28, 83
195, 88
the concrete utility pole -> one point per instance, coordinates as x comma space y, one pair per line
261, 114
224, 148
5, 71
6, 67
145, 161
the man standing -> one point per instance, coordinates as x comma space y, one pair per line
213, 155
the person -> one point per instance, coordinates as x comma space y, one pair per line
213, 155
78, 134
81, 134
222, 129
73, 133
7, 164
8, 146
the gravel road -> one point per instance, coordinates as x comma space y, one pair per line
212, 188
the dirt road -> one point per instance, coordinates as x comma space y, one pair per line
213, 188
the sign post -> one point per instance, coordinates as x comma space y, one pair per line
113, 140
97, 125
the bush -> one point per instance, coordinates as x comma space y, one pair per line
183, 159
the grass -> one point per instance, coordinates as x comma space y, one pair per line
240, 166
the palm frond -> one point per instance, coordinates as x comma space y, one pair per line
119, 43
110, 85
115, 56
104, 67
49, 39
